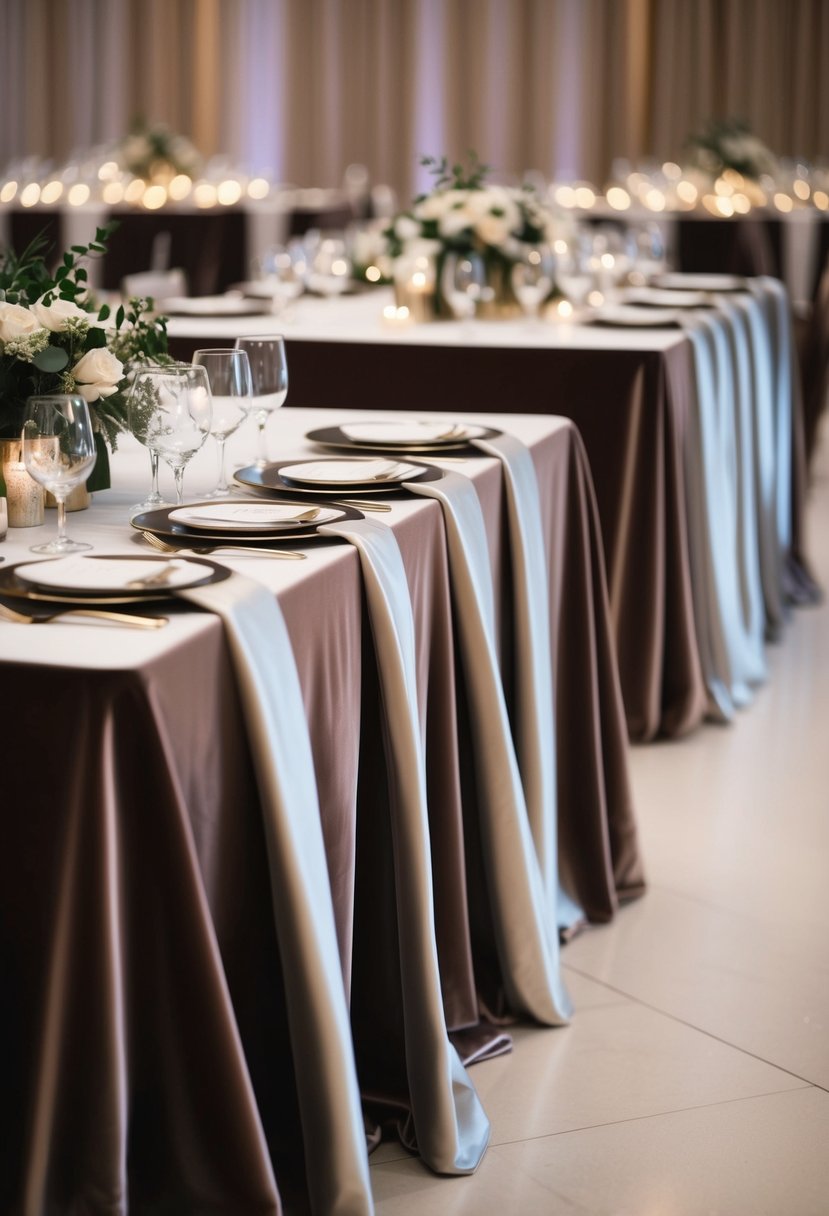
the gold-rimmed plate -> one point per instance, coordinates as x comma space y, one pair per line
275, 478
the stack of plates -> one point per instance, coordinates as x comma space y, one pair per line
93, 579
332, 476
242, 521
412, 435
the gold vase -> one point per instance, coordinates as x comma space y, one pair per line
25, 497
76, 500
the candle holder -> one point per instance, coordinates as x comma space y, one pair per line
415, 287
24, 496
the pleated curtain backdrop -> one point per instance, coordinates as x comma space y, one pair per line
302, 88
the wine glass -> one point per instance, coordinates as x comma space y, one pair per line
532, 279
59, 453
463, 283
137, 419
574, 273
269, 376
172, 408
228, 372
330, 272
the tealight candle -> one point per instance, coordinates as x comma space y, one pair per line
24, 495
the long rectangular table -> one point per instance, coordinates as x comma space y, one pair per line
635, 397
146, 1054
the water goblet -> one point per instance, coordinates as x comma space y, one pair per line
269, 378
532, 279
330, 272
59, 453
172, 408
463, 283
137, 419
228, 373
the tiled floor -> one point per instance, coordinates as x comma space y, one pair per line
694, 1078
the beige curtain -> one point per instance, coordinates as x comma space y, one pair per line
302, 88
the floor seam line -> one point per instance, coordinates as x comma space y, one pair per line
692, 1026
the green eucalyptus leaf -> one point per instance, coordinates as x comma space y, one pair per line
96, 338
104, 312
51, 359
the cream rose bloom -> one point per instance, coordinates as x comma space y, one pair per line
97, 374
55, 315
16, 322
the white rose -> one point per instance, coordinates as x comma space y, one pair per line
492, 229
455, 221
55, 315
16, 322
97, 374
406, 228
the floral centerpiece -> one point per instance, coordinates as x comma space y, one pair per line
53, 340
462, 213
156, 154
731, 144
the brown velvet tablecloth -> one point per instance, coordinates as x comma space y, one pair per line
137, 946
630, 408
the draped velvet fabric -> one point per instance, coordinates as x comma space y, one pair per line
631, 408
146, 1054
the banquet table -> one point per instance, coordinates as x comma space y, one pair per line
634, 395
148, 1062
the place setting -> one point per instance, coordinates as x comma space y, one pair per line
95, 585
332, 476
239, 525
421, 435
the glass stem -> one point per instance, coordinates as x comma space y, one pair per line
60, 499
154, 468
178, 473
263, 453
222, 486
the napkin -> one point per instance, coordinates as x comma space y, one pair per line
330, 471
82, 573
451, 1129
405, 431
318, 1018
520, 851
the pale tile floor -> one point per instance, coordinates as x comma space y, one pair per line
694, 1078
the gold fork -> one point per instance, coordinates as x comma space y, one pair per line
116, 618
202, 550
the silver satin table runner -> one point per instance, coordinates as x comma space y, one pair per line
520, 850
269, 689
715, 468
451, 1129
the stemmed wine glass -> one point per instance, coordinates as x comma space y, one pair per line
137, 420
463, 283
532, 279
269, 377
228, 373
59, 453
170, 407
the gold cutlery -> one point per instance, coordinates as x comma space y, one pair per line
203, 550
360, 505
115, 618
161, 576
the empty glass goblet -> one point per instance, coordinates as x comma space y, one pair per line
269, 377
59, 453
532, 279
172, 408
231, 388
463, 283
137, 420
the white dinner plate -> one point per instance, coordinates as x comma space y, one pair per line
214, 306
699, 282
663, 297
345, 472
406, 431
249, 517
83, 573
629, 316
